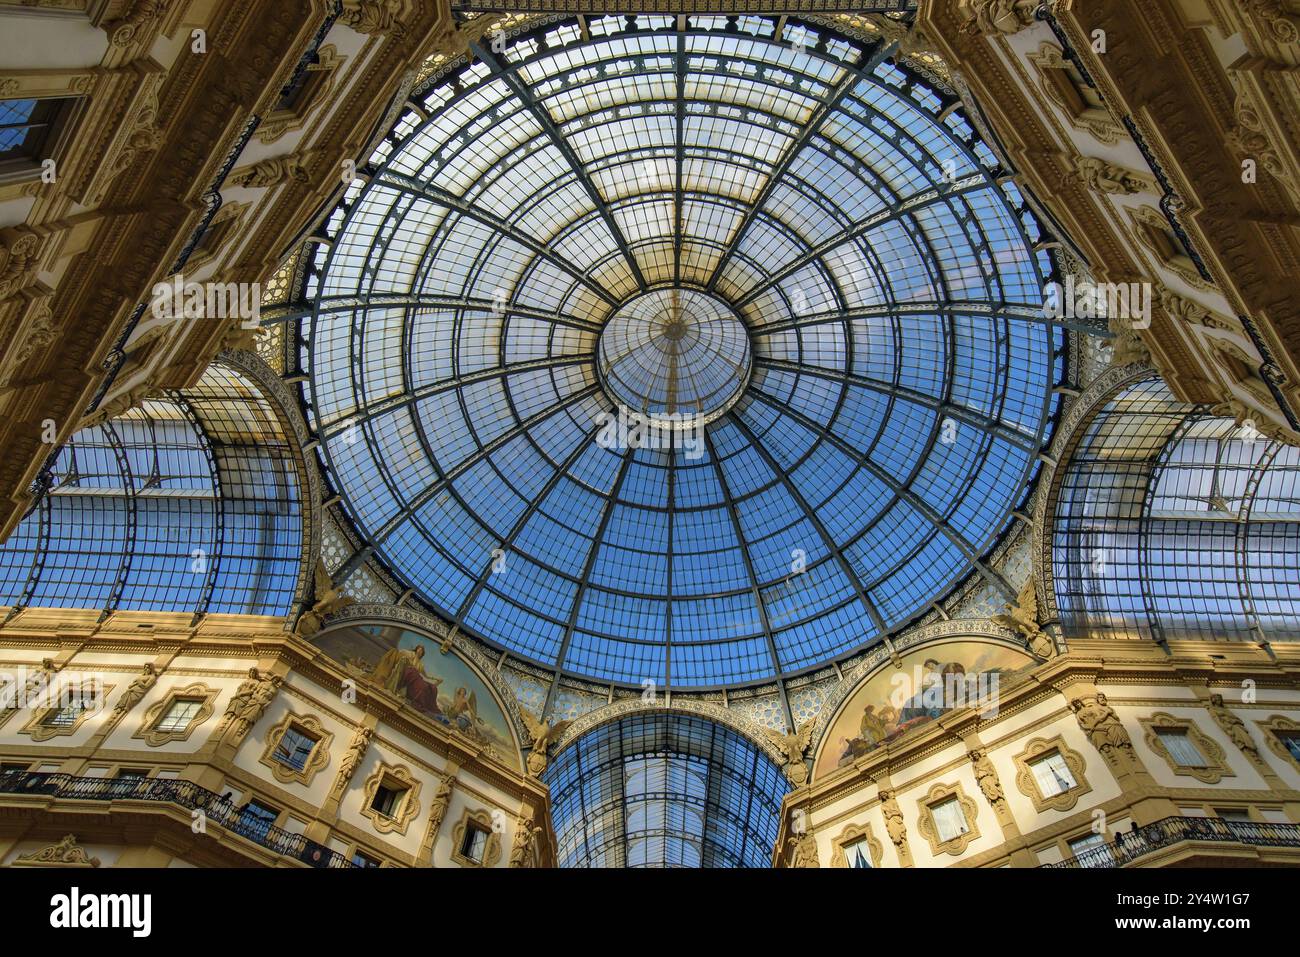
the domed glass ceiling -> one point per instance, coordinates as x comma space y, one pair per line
804, 248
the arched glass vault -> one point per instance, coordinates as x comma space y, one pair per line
1175, 523
189, 503
664, 790
794, 238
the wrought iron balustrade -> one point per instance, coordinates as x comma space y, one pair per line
1131, 845
216, 809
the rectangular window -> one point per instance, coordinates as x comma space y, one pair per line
361, 859
179, 715
858, 854
29, 130
1232, 813
1182, 750
949, 821
131, 774
256, 820
1090, 850
474, 844
1052, 774
294, 749
64, 717
387, 799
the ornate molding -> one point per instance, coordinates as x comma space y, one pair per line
755, 733
154, 738
1095, 120
317, 760
491, 852
1215, 768
65, 853
851, 835
406, 810
1027, 783
1273, 727
999, 17
938, 794
1103, 176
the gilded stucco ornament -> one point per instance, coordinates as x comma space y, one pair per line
20, 252
272, 172
1022, 618
542, 735
65, 853
1189, 311
999, 16
330, 600
1280, 21
1102, 176
1127, 348
123, 32
38, 334
1249, 417
452, 39
1249, 138
120, 404
374, 17
793, 747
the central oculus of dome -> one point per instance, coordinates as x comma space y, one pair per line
674, 352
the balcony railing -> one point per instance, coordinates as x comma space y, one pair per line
1172, 830
186, 794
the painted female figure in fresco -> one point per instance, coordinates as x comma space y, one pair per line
401, 671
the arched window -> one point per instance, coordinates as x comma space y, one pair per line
665, 790
190, 503
1175, 523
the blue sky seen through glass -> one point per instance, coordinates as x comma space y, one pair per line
899, 381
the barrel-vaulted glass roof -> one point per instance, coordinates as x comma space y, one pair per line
785, 233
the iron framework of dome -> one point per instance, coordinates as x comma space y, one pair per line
805, 245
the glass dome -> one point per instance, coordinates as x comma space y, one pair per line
803, 247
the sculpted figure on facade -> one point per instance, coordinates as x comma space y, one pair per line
357, 748
250, 701
137, 689
986, 776
1233, 727
894, 825
1102, 726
